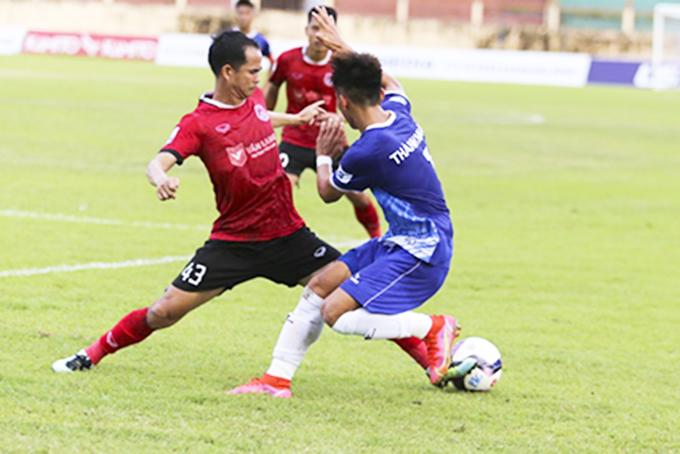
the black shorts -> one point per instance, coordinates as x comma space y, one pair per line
283, 260
295, 158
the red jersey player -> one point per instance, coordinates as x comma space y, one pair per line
306, 71
258, 231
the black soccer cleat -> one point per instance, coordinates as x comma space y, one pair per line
78, 362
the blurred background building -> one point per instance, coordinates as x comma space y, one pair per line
599, 27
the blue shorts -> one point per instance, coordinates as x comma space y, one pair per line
388, 280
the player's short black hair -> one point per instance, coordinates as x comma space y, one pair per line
331, 12
247, 3
358, 77
229, 47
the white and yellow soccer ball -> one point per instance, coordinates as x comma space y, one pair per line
476, 364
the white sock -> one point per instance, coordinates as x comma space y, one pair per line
300, 330
380, 326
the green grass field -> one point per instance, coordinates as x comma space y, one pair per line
566, 204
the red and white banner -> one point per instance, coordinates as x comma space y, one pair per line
91, 45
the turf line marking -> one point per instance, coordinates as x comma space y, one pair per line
338, 243
89, 220
94, 266
125, 264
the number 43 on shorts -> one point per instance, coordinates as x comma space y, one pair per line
193, 273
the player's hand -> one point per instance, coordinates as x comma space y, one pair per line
167, 189
331, 139
329, 34
311, 113
325, 116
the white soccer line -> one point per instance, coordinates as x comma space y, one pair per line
347, 243
338, 243
93, 266
125, 264
89, 220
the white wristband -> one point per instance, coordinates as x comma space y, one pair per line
324, 160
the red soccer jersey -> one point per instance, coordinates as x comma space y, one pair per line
307, 81
237, 144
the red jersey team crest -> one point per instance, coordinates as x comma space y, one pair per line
237, 155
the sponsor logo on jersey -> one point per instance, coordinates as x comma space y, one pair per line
173, 134
355, 278
327, 79
257, 149
237, 155
296, 76
222, 128
320, 252
261, 112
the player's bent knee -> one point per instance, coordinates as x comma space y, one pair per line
332, 312
316, 285
325, 282
330, 315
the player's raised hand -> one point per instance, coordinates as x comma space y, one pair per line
329, 34
310, 113
331, 139
325, 116
167, 189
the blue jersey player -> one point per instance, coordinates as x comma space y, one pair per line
371, 290
245, 14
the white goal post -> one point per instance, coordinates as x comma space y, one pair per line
666, 46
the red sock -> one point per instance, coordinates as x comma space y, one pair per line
130, 330
276, 382
416, 348
368, 217
437, 323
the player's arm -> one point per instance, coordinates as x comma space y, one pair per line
306, 116
330, 144
267, 53
271, 95
157, 173
330, 36
391, 84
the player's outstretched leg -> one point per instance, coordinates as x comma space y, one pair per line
268, 384
439, 342
131, 329
137, 326
416, 349
302, 328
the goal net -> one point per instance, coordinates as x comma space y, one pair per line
666, 46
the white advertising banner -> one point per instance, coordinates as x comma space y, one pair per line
498, 66
183, 49
11, 39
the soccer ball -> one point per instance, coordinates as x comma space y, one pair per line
488, 370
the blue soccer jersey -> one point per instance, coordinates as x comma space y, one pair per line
260, 40
392, 159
